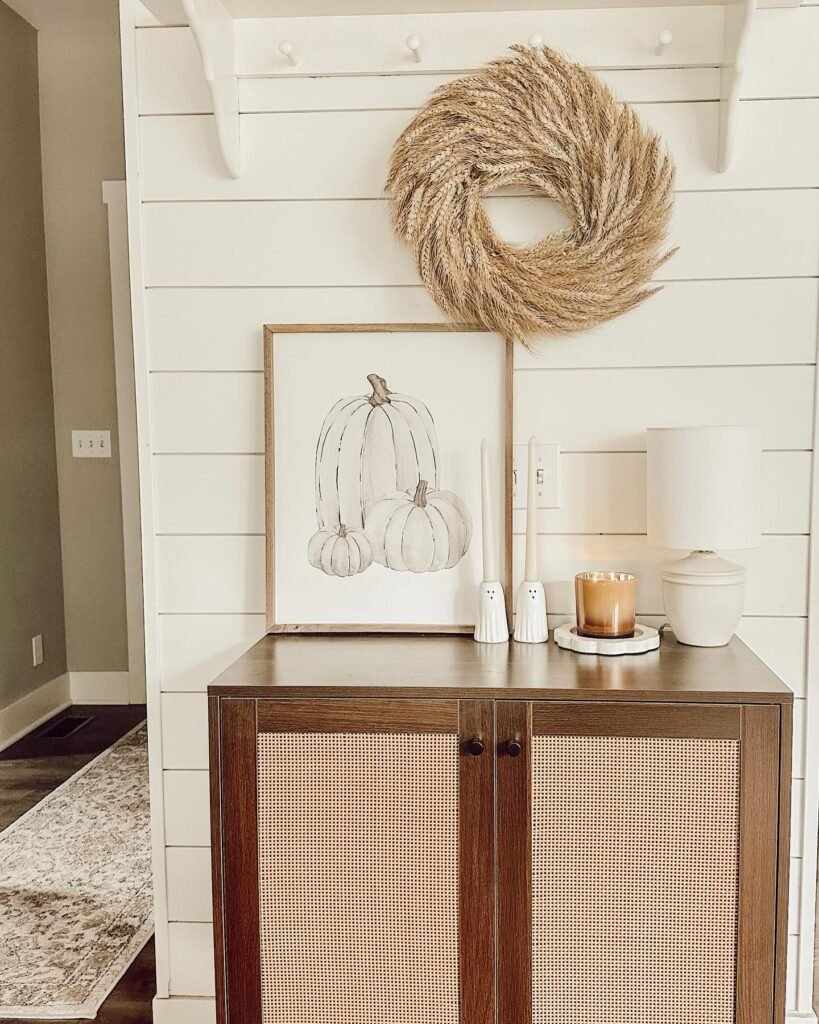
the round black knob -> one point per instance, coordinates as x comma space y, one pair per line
475, 746
514, 747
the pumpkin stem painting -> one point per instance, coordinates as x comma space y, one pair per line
377, 489
381, 392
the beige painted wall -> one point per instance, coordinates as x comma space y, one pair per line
82, 145
31, 585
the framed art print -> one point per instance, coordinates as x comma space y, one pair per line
373, 485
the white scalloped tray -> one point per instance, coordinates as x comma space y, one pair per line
645, 638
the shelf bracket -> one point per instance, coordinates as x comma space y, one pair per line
213, 30
736, 41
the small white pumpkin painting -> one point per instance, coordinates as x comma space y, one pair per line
421, 532
340, 552
369, 446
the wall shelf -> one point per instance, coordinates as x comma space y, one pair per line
235, 42
171, 12
736, 39
213, 28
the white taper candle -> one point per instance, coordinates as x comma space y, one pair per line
530, 573
490, 566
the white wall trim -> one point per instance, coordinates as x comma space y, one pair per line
133, 191
28, 712
188, 1010
810, 789
99, 687
797, 1018
113, 196
33, 709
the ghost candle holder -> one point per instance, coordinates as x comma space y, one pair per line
531, 624
491, 626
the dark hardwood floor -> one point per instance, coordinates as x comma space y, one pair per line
35, 766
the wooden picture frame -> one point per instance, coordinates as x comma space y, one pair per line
274, 624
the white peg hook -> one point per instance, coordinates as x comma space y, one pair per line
664, 40
286, 50
535, 41
414, 47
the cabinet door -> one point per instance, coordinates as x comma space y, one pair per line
353, 875
637, 858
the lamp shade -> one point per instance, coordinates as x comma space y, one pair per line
704, 487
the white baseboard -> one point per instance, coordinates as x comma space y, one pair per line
99, 687
800, 1018
32, 710
184, 1010
56, 695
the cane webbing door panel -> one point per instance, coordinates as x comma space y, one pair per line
648, 870
373, 840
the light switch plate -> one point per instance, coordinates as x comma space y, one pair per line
91, 444
548, 479
37, 649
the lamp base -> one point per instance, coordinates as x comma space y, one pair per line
704, 596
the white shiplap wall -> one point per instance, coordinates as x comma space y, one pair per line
303, 236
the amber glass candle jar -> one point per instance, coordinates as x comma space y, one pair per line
606, 604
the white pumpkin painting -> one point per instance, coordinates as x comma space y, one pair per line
340, 552
377, 496
422, 532
371, 445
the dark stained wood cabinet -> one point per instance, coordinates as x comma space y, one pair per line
427, 831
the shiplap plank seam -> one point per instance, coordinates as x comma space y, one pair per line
518, 532
381, 287
550, 369
568, 452
410, 108
746, 615
497, 197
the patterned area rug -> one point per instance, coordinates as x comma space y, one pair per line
75, 888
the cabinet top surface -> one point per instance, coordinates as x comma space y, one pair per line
395, 666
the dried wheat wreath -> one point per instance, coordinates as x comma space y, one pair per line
540, 121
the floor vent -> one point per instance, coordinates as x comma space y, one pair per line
65, 727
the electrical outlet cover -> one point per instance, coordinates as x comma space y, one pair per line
548, 465
91, 444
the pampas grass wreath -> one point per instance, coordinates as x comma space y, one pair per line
534, 120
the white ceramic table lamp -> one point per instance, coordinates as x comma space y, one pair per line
704, 496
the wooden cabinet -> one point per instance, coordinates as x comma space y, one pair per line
645, 887
459, 855
358, 845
